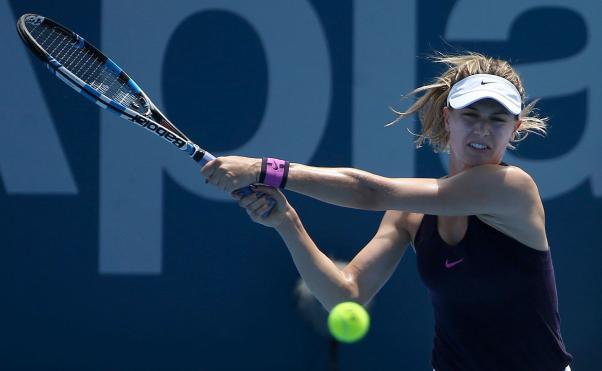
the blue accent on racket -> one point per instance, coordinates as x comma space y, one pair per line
134, 86
113, 67
89, 72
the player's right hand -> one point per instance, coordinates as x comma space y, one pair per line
230, 173
258, 204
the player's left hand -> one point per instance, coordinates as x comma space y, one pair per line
230, 173
266, 206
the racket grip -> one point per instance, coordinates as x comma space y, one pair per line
245, 191
206, 158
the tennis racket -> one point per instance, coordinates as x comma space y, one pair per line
88, 71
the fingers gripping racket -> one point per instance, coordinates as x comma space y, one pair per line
95, 76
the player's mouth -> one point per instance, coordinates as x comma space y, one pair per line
478, 146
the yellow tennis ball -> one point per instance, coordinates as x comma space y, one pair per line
348, 322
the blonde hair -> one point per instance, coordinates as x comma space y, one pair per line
430, 105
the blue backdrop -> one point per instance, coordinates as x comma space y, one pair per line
114, 254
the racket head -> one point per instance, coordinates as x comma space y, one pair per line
87, 70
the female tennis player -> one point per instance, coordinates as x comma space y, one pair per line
478, 233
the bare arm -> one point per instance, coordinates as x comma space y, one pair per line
496, 190
487, 189
360, 280
372, 267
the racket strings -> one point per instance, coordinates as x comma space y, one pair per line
57, 44
115, 88
67, 51
85, 64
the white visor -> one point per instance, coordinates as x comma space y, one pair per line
476, 87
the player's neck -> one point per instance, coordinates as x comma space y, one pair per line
455, 166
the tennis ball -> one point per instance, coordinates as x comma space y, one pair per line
348, 322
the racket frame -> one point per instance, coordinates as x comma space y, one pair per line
154, 121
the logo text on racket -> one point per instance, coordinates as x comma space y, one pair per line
160, 131
35, 20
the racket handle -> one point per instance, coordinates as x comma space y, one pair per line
244, 191
205, 159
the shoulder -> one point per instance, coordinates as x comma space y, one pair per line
403, 222
518, 178
401, 219
520, 184
393, 223
507, 176
393, 220
509, 184
526, 221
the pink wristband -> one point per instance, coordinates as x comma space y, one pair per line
274, 172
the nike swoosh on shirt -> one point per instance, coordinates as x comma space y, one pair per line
452, 264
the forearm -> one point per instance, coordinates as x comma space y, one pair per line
329, 284
346, 187
360, 189
486, 189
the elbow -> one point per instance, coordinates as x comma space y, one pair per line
368, 191
349, 292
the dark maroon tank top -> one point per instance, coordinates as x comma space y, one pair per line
494, 301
